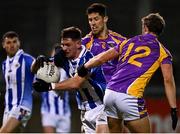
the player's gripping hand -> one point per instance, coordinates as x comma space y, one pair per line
174, 118
41, 86
82, 71
59, 57
40, 60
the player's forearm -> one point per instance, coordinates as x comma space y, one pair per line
94, 62
170, 90
169, 83
69, 84
101, 58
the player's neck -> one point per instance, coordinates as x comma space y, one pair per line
103, 34
11, 55
150, 33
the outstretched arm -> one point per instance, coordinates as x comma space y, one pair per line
96, 61
69, 84
101, 58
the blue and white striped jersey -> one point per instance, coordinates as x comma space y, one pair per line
92, 91
54, 104
18, 79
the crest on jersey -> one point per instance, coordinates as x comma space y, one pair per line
103, 45
17, 65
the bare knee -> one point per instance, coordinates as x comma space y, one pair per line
103, 128
115, 125
139, 126
49, 129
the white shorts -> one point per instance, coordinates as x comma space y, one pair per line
90, 119
18, 112
123, 106
61, 123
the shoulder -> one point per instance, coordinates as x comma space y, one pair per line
135, 38
28, 56
116, 35
86, 56
86, 38
3, 63
163, 48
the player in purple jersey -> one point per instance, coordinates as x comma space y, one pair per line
139, 58
101, 39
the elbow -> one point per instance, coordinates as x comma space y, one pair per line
75, 82
79, 82
168, 80
76, 85
34, 68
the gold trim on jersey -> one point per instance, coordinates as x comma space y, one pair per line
90, 43
117, 41
111, 34
116, 34
143, 112
136, 89
121, 46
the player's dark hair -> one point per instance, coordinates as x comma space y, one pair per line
97, 8
154, 22
71, 32
10, 34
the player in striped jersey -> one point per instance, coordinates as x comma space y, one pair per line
18, 78
55, 112
55, 108
90, 91
140, 57
100, 39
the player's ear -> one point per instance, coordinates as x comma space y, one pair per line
78, 43
3, 45
105, 19
146, 29
19, 43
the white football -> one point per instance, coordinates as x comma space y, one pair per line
49, 73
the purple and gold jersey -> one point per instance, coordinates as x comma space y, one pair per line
140, 57
96, 46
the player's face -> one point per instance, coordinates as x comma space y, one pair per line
96, 23
70, 47
11, 45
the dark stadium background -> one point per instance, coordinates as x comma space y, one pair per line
39, 24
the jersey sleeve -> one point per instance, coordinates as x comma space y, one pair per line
166, 57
